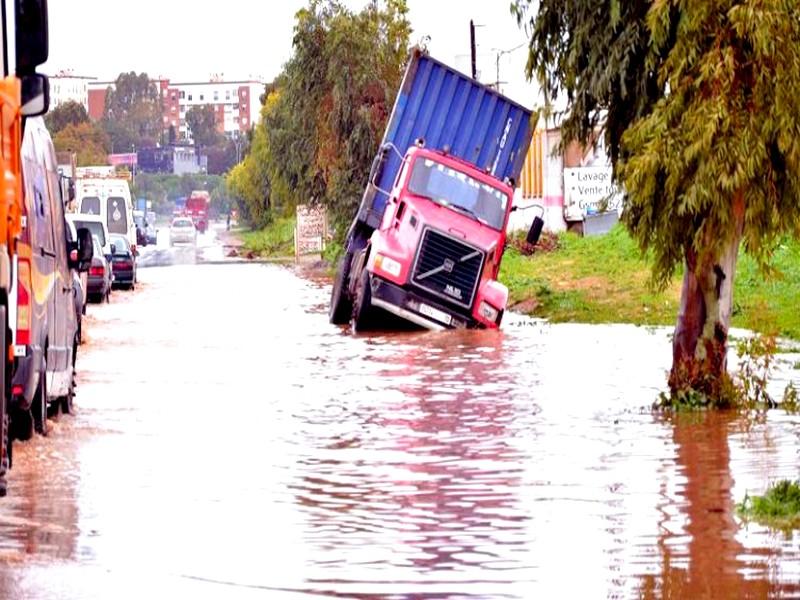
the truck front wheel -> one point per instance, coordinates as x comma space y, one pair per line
362, 305
341, 308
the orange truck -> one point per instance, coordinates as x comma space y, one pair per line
23, 93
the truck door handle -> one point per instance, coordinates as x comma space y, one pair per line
48, 253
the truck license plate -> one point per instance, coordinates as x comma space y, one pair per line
435, 313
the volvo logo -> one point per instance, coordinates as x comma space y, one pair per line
448, 265
453, 291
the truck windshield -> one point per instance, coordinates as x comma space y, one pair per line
459, 191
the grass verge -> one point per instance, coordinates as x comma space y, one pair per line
605, 279
779, 507
274, 240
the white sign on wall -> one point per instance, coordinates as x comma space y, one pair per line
589, 190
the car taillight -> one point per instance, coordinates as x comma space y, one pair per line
24, 302
96, 271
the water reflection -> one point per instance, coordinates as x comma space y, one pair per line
432, 492
712, 563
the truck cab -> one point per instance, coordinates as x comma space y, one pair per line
430, 232
435, 258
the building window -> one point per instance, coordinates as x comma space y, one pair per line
244, 93
183, 95
190, 97
202, 97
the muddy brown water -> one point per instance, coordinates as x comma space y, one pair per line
230, 443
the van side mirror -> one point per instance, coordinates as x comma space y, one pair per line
35, 95
113, 248
32, 39
85, 249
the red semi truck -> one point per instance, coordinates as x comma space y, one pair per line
430, 234
197, 209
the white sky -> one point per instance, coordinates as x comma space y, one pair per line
187, 40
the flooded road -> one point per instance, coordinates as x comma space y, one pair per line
230, 443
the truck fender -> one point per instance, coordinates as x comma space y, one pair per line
493, 292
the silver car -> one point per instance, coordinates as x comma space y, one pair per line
182, 231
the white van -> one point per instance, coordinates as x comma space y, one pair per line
99, 191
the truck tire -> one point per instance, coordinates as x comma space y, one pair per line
362, 305
65, 402
41, 404
341, 308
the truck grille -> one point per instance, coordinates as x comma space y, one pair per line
448, 268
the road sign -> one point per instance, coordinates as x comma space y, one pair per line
311, 230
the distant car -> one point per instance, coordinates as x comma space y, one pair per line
182, 230
141, 230
123, 262
98, 285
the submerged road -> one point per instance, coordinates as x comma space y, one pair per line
230, 443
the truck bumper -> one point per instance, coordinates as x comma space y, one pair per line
410, 306
26, 375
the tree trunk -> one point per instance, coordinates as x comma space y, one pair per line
699, 349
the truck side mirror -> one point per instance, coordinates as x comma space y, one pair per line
35, 95
85, 249
32, 40
535, 232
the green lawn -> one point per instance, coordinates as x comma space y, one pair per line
604, 279
275, 240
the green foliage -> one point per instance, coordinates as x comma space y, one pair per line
325, 114
133, 112
202, 122
728, 126
274, 240
67, 113
779, 507
87, 140
698, 105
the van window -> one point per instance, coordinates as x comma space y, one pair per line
117, 215
90, 205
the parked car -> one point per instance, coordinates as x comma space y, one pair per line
150, 228
141, 228
100, 276
123, 262
45, 332
182, 230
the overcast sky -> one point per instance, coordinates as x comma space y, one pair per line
187, 40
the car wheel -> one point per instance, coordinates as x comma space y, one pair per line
39, 408
21, 425
362, 305
66, 402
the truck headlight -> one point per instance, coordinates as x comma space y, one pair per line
488, 312
388, 265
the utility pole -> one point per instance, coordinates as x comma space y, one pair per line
473, 52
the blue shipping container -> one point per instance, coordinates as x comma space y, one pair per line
448, 109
